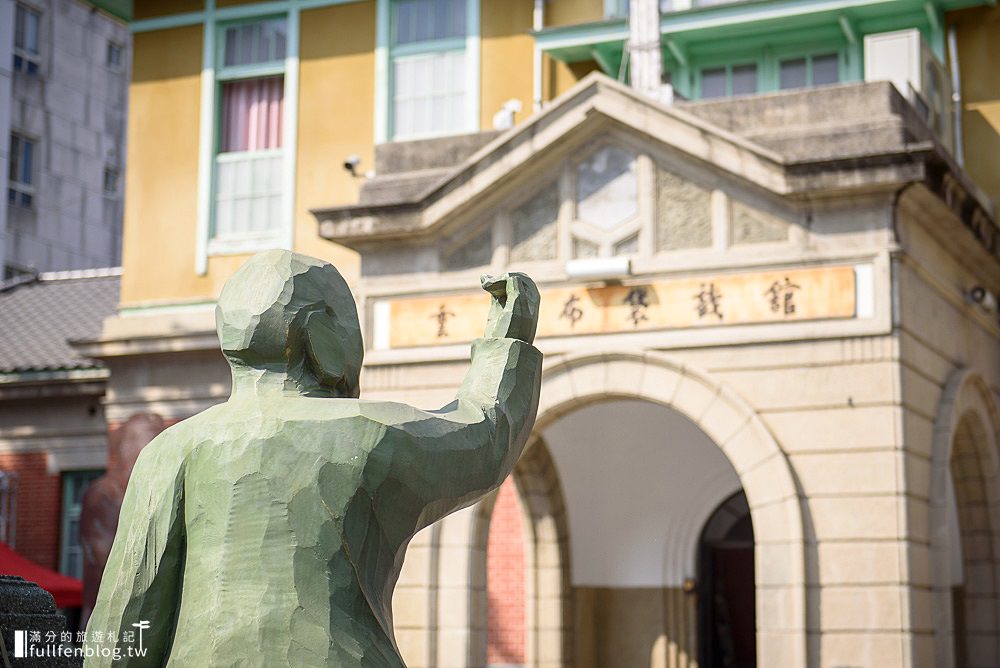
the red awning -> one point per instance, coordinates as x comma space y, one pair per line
67, 591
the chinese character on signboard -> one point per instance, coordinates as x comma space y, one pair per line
708, 301
782, 296
638, 299
442, 320
571, 311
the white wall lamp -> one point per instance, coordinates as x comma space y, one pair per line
609, 269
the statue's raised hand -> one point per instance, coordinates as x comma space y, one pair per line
514, 311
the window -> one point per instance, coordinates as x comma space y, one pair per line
26, 53
616, 9
249, 159
74, 485
729, 80
114, 58
744, 79
792, 73
809, 71
429, 88
607, 204
21, 189
713, 82
110, 180
8, 481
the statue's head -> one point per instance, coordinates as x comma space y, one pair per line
292, 314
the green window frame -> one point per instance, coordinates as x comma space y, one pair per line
431, 59
768, 60
239, 176
424, 55
74, 484
738, 66
810, 70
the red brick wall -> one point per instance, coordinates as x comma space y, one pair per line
39, 498
39, 504
505, 580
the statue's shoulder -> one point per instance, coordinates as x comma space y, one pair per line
172, 445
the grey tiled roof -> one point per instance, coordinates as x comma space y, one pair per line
38, 317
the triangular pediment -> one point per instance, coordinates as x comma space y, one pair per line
526, 154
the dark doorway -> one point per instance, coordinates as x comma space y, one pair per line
726, 603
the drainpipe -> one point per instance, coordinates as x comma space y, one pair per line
537, 23
956, 95
644, 46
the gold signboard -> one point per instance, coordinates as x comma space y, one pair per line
729, 299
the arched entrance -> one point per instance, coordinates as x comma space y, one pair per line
965, 519
457, 612
640, 482
758, 467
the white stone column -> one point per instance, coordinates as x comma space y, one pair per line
644, 45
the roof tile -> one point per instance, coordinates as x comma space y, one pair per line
40, 317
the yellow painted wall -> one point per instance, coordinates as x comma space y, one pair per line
558, 77
979, 62
230, 3
146, 9
161, 179
336, 118
506, 58
571, 12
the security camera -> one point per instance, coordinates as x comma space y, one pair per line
351, 163
979, 295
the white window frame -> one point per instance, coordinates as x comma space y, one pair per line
24, 54
14, 184
385, 54
212, 76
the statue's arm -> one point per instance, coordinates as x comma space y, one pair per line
446, 459
143, 576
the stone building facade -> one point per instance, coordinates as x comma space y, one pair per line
803, 303
769, 404
768, 417
64, 75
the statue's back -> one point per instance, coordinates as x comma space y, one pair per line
268, 569
270, 530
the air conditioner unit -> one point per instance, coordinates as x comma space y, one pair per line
903, 58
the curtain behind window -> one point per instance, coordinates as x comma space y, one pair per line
252, 113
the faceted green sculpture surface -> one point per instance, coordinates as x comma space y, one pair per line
271, 529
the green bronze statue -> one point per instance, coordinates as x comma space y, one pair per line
270, 530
